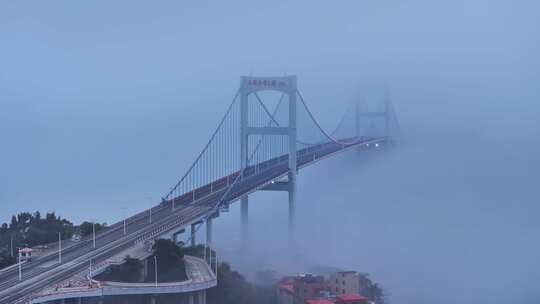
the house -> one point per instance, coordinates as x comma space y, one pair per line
344, 282
308, 286
25, 254
285, 291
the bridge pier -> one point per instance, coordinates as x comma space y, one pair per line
202, 297
145, 271
209, 231
193, 241
244, 157
292, 200
244, 208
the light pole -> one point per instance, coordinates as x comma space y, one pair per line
94, 233
155, 268
20, 266
148, 197
59, 247
124, 209
11, 246
210, 257
90, 269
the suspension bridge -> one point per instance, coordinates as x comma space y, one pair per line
257, 145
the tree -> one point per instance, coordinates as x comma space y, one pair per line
14, 223
6, 261
87, 228
29, 229
129, 271
170, 259
370, 289
266, 277
167, 251
233, 288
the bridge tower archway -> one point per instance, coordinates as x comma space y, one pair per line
287, 86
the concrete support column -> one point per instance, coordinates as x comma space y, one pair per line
202, 297
145, 268
209, 232
244, 153
387, 119
153, 299
244, 215
79, 301
193, 240
357, 120
190, 298
292, 201
293, 169
100, 300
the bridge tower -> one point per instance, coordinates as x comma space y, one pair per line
286, 85
385, 114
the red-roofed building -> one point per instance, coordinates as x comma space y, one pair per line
341, 288
25, 254
351, 299
308, 286
296, 290
286, 290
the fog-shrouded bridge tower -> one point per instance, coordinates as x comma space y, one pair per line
287, 86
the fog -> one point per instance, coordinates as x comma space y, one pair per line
103, 106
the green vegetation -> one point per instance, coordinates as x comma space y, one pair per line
370, 289
130, 271
31, 229
170, 258
266, 277
28, 230
233, 288
6, 261
170, 264
86, 228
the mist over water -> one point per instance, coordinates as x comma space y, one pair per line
104, 106
431, 221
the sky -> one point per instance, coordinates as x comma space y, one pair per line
104, 105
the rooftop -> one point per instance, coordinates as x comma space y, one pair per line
287, 284
350, 298
319, 301
347, 271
